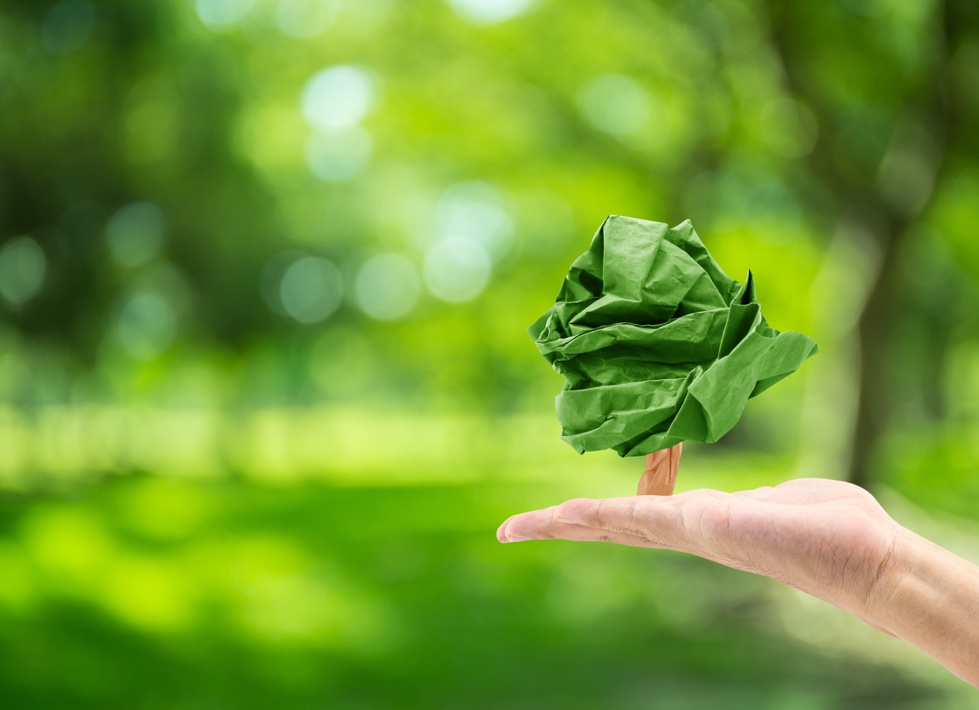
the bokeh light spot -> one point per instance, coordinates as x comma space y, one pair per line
304, 19
338, 97
618, 105
338, 157
490, 12
476, 210
456, 270
135, 233
148, 593
71, 545
277, 595
146, 325
271, 279
388, 287
164, 509
788, 127
311, 289
220, 14
68, 26
22, 269
709, 20
773, 200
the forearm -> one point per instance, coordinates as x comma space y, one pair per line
930, 598
828, 538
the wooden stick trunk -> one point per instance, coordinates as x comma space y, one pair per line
660, 476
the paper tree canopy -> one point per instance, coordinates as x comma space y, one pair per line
656, 343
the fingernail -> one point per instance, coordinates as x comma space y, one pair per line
516, 538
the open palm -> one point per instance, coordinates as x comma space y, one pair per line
828, 538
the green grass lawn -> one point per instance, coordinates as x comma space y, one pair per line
147, 592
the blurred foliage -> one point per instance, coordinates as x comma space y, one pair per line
265, 390
158, 594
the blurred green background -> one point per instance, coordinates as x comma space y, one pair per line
265, 390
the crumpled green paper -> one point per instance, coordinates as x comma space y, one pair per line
656, 343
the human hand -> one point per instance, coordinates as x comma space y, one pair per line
828, 538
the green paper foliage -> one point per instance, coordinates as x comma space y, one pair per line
656, 343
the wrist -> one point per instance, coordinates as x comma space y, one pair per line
890, 586
929, 597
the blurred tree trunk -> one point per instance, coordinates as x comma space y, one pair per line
885, 211
879, 314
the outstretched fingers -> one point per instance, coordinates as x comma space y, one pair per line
647, 521
545, 525
577, 533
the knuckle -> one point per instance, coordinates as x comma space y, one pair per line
571, 506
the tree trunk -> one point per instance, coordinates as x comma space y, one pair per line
883, 306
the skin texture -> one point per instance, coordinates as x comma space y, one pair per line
827, 538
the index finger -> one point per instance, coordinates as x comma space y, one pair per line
658, 519
646, 521
545, 525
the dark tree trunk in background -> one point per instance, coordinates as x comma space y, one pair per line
873, 328
889, 222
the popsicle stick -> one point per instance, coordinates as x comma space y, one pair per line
660, 476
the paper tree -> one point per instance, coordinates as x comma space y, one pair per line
658, 346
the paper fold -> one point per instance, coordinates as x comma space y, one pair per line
656, 343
